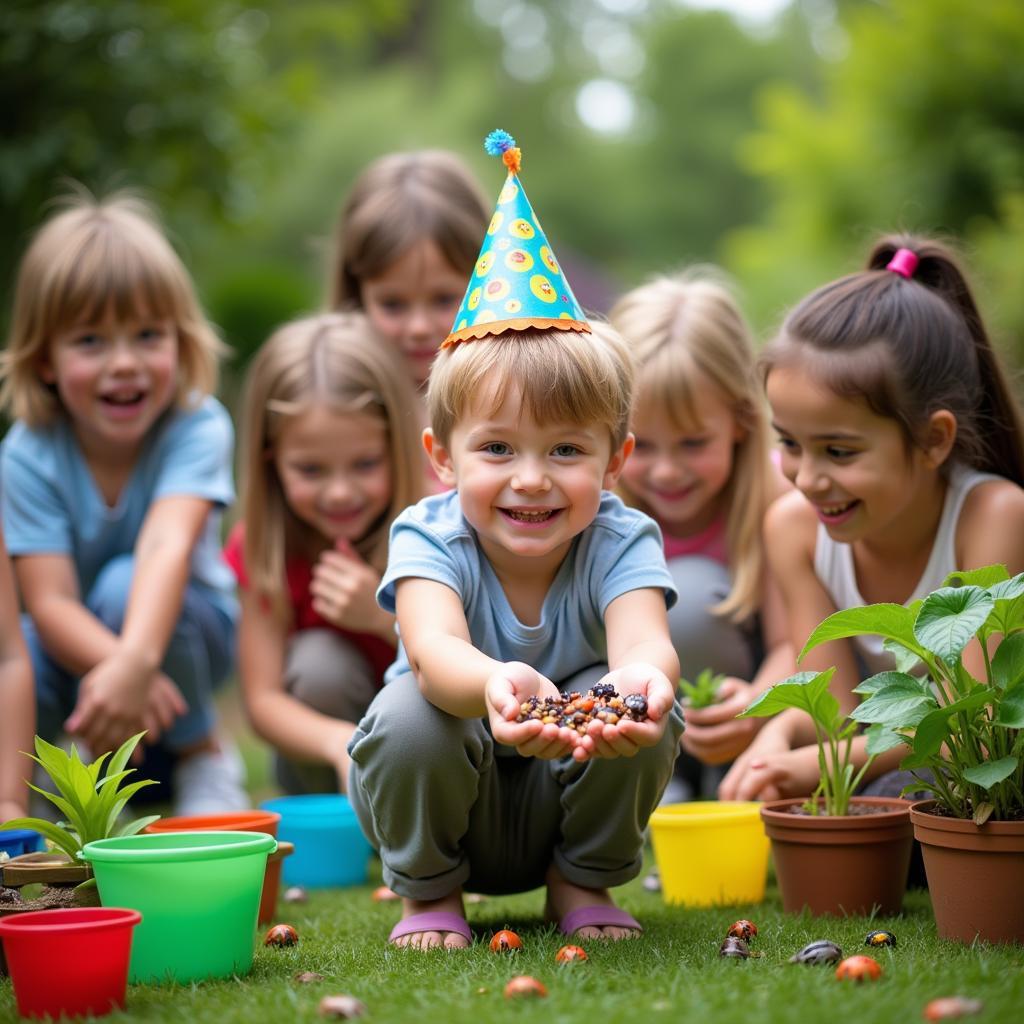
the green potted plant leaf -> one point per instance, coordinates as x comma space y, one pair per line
966, 739
834, 853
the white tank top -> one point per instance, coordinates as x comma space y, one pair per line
833, 564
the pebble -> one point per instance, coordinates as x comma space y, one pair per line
344, 1007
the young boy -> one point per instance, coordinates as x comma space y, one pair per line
526, 579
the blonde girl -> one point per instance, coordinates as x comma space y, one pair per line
702, 469
905, 445
114, 475
406, 241
330, 455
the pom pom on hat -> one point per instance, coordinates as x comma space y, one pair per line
500, 143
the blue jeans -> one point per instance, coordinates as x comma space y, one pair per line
199, 657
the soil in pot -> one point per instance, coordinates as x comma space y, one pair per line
850, 864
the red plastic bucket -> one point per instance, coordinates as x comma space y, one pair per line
235, 821
72, 961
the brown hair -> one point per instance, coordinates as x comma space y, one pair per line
399, 200
680, 329
910, 347
93, 256
331, 359
563, 377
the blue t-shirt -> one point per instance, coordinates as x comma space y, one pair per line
51, 504
620, 551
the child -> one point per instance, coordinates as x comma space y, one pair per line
526, 578
17, 723
406, 242
701, 467
114, 474
330, 455
900, 432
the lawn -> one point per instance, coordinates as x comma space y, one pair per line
672, 974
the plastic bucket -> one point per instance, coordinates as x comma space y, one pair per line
198, 892
234, 821
16, 841
330, 848
710, 853
71, 962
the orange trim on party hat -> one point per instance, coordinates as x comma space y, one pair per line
491, 329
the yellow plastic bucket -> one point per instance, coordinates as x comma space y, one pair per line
710, 853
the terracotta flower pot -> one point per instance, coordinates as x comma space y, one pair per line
975, 875
846, 864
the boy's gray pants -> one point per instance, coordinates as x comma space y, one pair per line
446, 806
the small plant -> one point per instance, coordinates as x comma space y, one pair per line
968, 732
90, 804
808, 691
704, 691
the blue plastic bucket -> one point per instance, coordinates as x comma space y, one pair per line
330, 849
16, 841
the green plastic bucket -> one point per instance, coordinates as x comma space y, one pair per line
199, 893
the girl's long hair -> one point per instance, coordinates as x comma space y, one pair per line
686, 331
335, 360
910, 347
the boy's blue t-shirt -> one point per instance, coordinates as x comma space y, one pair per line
620, 551
51, 504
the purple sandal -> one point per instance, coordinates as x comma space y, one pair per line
597, 917
432, 921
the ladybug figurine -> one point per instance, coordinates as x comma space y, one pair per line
743, 929
734, 948
858, 968
880, 938
505, 942
821, 951
569, 953
281, 935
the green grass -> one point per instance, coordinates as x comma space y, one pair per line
673, 974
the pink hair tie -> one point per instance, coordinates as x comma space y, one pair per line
904, 263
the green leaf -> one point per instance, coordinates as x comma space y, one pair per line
931, 732
906, 661
889, 621
1008, 661
1008, 590
123, 754
986, 576
881, 738
1010, 713
950, 617
988, 774
807, 691
982, 813
137, 825
901, 704
879, 681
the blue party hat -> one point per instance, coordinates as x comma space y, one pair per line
517, 283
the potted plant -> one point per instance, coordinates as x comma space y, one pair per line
966, 737
834, 853
90, 799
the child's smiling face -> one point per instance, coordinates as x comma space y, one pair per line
680, 475
114, 379
851, 464
527, 488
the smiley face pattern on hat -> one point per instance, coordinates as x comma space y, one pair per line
516, 277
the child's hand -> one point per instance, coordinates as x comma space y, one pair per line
625, 738
764, 771
514, 683
714, 734
344, 591
122, 696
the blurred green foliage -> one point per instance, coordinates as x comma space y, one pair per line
777, 150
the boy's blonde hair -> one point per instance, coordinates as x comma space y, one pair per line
681, 328
94, 257
399, 200
564, 377
331, 359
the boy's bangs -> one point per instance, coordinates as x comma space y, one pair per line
110, 277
